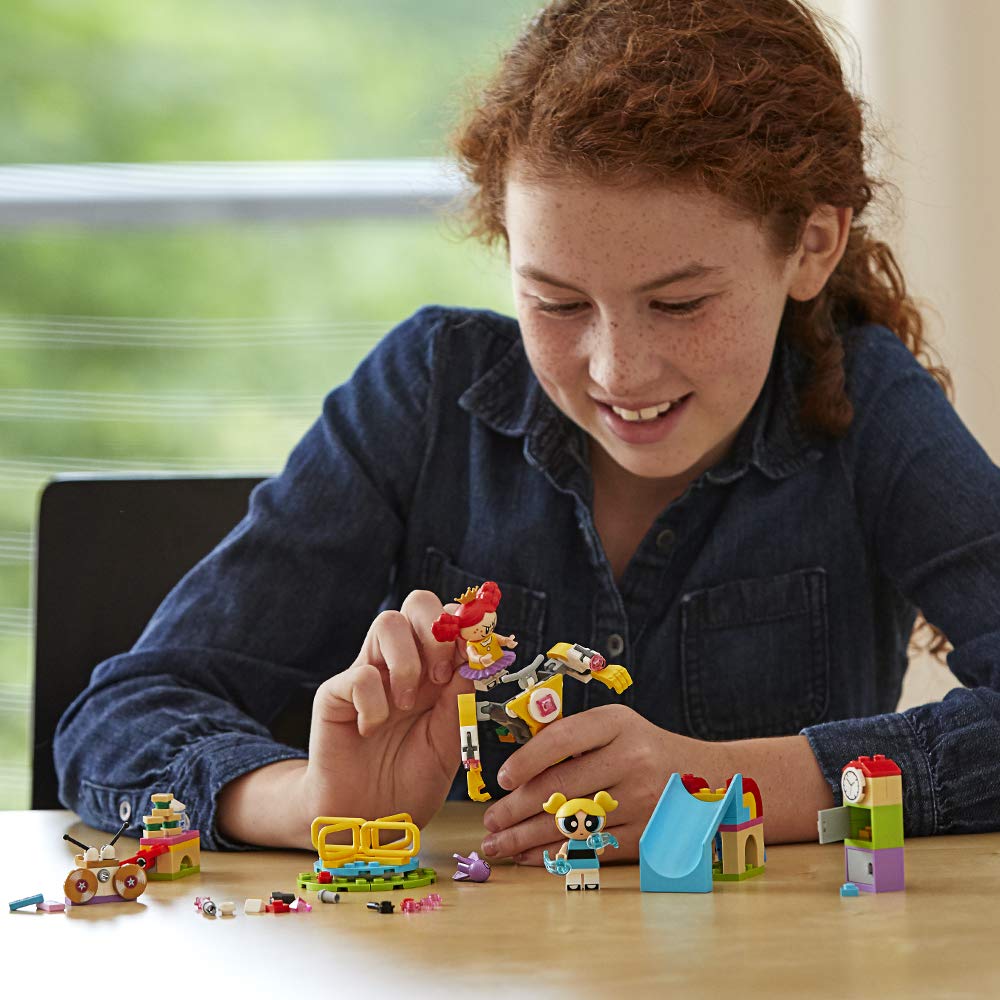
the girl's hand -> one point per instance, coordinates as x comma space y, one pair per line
613, 749
385, 733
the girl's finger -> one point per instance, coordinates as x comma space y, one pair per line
567, 737
356, 693
441, 659
580, 777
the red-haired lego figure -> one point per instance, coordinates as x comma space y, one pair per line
870, 823
474, 625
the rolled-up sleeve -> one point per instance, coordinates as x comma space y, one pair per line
928, 499
283, 602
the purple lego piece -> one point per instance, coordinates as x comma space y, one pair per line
470, 673
471, 869
99, 899
875, 871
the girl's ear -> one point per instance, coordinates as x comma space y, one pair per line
824, 239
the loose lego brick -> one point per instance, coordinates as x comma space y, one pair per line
51, 906
326, 896
20, 904
849, 889
227, 908
253, 906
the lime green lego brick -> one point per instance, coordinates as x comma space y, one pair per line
750, 872
886, 827
416, 879
165, 877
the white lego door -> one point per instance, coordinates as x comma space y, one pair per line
859, 867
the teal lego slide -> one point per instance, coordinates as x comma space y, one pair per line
675, 849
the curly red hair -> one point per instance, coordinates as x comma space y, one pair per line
745, 99
447, 627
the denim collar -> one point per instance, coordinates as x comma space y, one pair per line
509, 399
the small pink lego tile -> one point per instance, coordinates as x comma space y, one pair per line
51, 906
177, 838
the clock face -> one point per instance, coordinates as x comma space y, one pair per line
852, 784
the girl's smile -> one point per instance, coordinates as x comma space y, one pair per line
649, 315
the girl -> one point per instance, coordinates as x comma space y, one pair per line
710, 446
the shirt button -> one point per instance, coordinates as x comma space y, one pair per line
665, 540
615, 644
124, 810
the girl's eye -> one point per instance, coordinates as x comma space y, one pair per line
670, 308
681, 308
559, 307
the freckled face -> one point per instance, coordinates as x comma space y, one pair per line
477, 633
611, 350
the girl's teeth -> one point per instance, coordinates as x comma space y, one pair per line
648, 413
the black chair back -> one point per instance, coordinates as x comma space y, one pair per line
109, 549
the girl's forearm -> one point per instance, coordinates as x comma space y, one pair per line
262, 806
791, 784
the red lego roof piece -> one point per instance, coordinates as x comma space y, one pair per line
693, 783
878, 766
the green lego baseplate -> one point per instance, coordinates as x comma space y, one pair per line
172, 876
750, 872
416, 879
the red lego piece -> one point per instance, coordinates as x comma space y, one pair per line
693, 783
276, 906
878, 766
324, 878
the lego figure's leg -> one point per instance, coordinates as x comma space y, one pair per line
574, 880
593, 878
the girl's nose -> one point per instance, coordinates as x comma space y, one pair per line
621, 359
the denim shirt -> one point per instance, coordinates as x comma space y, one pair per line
775, 596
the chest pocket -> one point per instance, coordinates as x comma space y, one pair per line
755, 656
521, 611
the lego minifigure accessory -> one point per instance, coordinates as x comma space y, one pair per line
471, 869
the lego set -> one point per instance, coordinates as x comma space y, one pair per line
99, 877
366, 864
540, 701
870, 823
168, 849
698, 836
